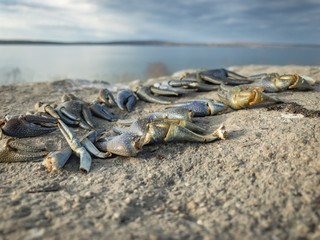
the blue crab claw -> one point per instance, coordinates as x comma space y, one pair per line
274, 82
13, 151
197, 84
55, 161
244, 96
106, 97
75, 111
126, 100
172, 113
218, 76
27, 126
100, 110
126, 144
171, 88
87, 142
76, 146
144, 93
141, 127
178, 133
201, 107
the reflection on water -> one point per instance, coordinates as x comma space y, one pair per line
22, 63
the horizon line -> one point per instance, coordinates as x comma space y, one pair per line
163, 43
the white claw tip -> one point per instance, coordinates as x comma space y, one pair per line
221, 132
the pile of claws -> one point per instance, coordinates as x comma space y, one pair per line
175, 123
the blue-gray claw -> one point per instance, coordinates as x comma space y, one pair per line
201, 107
100, 110
172, 113
106, 97
13, 151
218, 76
126, 144
126, 100
27, 126
56, 160
274, 82
172, 88
144, 93
76, 110
81, 148
76, 146
146, 131
198, 84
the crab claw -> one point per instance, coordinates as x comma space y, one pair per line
55, 161
101, 111
244, 96
13, 151
46, 108
169, 131
126, 100
144, 93
172, 113
75, 111
76, 146
273, 82
106, 97
201, 107
126, 144
171, 88
197, 84
27, 126
218, 76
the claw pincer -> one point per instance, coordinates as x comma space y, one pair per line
27, 126
148, 131
201, 107
13, 151
126, 100
244, 96
274, 82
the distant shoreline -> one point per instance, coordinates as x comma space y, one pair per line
161, 43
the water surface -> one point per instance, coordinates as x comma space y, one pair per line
30, 63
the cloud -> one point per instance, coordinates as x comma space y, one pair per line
181, 20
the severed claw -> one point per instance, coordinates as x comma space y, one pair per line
27, 126
218, 76
76, 146
76, 111
244, 96
201, 107
144, 93
147, 131
198, 84
172, 88
13, 151
172, 113
274, 82
80, 148
106, 97
126, 144
126, 100
56, 160
100, 110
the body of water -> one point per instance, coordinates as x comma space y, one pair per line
30, 63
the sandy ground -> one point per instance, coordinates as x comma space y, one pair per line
263, 182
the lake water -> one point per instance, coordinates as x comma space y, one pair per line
29, 63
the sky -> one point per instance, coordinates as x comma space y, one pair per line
265, 21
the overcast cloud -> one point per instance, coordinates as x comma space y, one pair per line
288, 21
